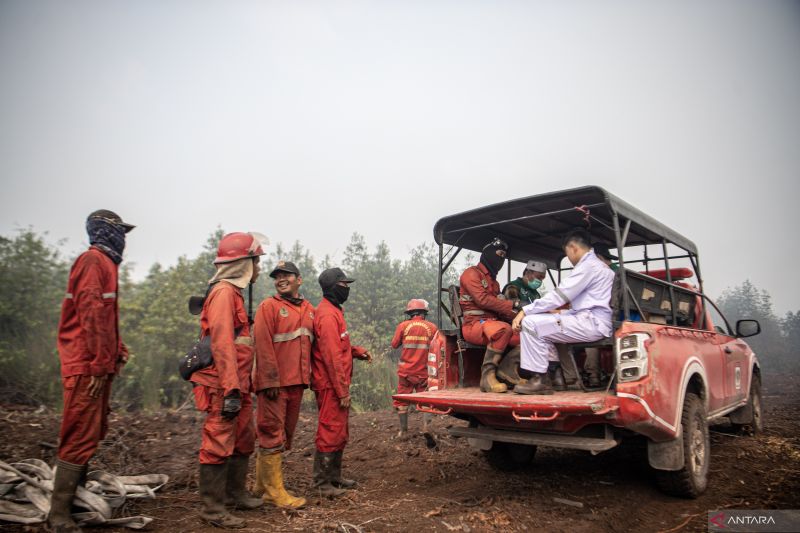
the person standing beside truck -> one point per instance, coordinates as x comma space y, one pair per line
91, 354
528, 284
587, 291
283, 335
223, 389
485, 314
331, 372
414, 335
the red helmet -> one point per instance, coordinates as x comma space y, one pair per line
238, 245
417, 304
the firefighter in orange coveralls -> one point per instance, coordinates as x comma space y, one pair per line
91, 353
331, 372
485, 313
223, 389
415, 335
283, 334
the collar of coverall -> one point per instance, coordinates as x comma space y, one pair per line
237, 273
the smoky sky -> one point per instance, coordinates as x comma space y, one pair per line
311, 120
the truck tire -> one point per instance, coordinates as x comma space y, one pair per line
754, 421
692, 479
507, 456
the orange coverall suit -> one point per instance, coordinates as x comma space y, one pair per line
88, 345
331, 372
283, 333
484, 312
223, 317
415, 335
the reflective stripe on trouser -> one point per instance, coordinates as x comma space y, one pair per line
332, 427
494, 334
276, 419
291, 335
541, 331
85, 420
407, 385
222, 438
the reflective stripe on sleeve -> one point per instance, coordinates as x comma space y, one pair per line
247, 341
291, 335
475, 312
68, 296
109, 295
465, 298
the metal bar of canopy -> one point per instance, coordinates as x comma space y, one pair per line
671, 287
449, 262
622, 277
526, 217
439, 287
696, 264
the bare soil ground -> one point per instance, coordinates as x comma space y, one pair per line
407, 486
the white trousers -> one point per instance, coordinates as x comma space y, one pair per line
540, 332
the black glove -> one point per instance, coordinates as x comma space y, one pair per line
517, 305
231, 405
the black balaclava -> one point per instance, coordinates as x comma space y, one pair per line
491, 260
108, 237
336, 294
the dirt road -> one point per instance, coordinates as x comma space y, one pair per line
406, 486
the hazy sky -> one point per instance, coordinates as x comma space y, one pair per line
311, 120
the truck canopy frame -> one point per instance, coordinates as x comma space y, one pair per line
534, 226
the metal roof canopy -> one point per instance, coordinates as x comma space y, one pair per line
534, 226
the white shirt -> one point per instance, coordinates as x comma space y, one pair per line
588, 288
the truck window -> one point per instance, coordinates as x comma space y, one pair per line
718, 322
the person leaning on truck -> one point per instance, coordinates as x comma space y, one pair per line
485, 313
528, 284
91, 354
331, 371
223, 389
414, 335
283, 334
587, 291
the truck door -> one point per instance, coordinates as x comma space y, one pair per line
734, 354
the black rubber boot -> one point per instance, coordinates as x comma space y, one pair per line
323, 475
403, 416
508, 369
557, 377
213, 483
539, 383
68, 477
489, 381
236, 494
336, 479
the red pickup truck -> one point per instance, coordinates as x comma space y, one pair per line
673, 365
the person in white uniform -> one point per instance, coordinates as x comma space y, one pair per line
578, 310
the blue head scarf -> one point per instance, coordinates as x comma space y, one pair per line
107, 236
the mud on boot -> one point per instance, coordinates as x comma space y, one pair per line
271, 470
213, 485
539, 383
68, 477
556, 376
489, 381
236, 494
323, 475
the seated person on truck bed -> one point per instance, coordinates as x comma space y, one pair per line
528, 283
592, 364
484, 313
588, 292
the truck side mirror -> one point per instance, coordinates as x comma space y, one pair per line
747, 328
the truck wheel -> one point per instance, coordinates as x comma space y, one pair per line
754, 419
507, 456
691, 480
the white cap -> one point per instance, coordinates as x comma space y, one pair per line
536, 266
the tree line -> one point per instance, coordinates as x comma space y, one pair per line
156, 325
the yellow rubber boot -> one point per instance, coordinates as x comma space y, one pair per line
275, 493
260, 486
489, 381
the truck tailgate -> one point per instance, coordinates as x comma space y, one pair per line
541, 407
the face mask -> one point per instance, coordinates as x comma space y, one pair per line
491, 260
534, 284
337, 294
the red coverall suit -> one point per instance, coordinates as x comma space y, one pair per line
88, 345
283, 333
484, 312
224, 316
331, 372
415, 335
